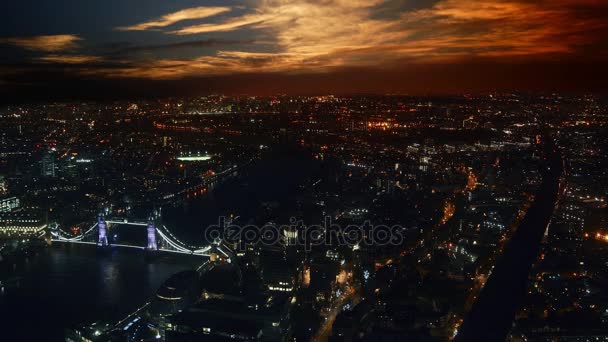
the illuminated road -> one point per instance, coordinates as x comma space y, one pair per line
349, 296
430, 238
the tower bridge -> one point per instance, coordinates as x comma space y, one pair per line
159, 237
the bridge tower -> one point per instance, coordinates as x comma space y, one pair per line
103, 234
49, 231
151, 235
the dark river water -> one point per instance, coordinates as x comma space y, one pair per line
68, 285
275, 179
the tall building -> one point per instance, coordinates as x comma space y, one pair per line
275, 272
48, 164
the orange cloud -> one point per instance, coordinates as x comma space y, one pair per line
172, 18
69, 59
50, 43
318, 35
228, 25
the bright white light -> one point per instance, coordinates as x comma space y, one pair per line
194, 158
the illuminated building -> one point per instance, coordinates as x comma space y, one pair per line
179, 291
8, 204
275, 272
227, 311
48, 164
290, 235
3, 185
194, 157
18, 225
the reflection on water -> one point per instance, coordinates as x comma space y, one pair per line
77, 285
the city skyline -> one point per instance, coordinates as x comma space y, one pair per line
305, 218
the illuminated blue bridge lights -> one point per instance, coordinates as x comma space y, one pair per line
159, 238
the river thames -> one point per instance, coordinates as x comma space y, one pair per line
77, 285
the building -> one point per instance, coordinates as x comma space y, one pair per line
228, 311
179, 291
20, 225
48, 164
275, 271
8, 204
3, 185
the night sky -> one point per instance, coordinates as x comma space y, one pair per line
159, 47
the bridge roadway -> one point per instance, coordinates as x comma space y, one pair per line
125, 246
173, 245
492, 315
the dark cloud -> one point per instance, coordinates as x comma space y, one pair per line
480, 75
121, 48
395, 8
